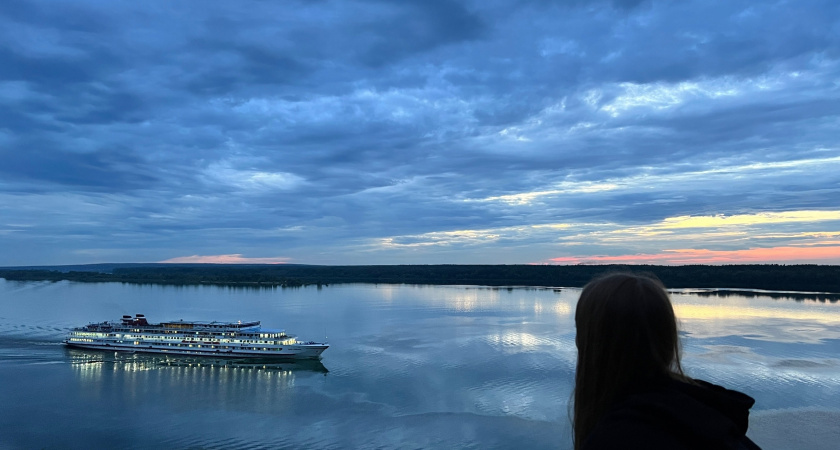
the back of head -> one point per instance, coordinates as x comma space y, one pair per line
626, 337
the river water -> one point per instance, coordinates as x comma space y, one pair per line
408, 367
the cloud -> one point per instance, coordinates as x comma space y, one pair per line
419, 131
251, 179
749, 219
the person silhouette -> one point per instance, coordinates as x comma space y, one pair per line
630, 390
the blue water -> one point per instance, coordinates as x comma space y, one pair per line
408, 366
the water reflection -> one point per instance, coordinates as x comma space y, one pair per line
86, 360
757, 318
821, 297
467, 299
734, 312
189, 385
518, 341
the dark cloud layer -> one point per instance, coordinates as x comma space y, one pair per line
418, 131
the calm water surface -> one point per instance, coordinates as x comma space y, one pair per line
408, 366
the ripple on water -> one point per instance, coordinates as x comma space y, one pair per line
216, 442
20, 348
43, 330
811, 428
519, 341
533, 399
806, 364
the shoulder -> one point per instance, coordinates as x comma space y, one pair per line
675, 415
630, 428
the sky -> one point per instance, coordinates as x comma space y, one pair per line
420, 132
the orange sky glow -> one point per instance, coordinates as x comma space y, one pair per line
235, 258
797, 255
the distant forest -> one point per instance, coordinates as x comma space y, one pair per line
810, 278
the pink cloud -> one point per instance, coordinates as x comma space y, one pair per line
235, 258
819, 255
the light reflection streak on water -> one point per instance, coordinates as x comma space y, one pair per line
387, 291
562, 308
470, 300
729, 312
558, 307
550, 348
518, 340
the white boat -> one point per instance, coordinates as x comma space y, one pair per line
222, 339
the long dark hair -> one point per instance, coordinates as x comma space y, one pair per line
626, 337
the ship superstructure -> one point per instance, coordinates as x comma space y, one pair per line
222, 339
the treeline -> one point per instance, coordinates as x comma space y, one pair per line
811, 278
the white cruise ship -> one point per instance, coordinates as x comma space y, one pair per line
222, 339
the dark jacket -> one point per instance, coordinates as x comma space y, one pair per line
675, 415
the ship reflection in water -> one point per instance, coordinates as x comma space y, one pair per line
132, 362
189, 384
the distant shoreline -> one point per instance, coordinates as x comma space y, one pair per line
813, 279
